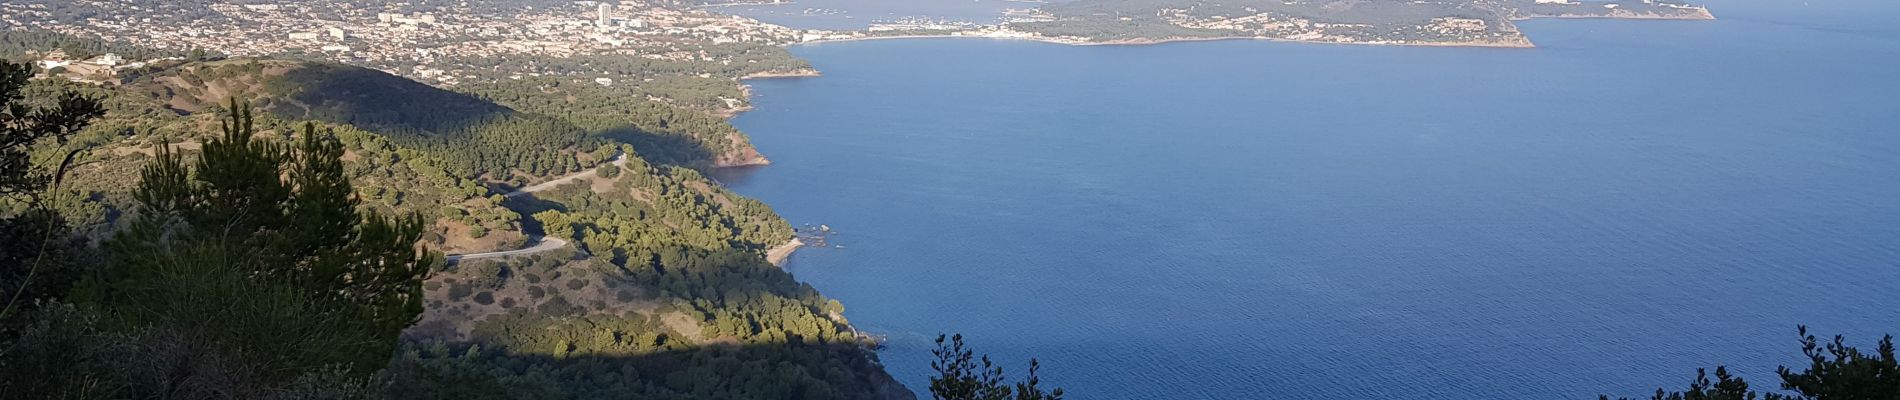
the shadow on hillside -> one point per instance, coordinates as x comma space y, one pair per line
663, 149
409, 110
527, 206
376, 100
734, 176
438, 370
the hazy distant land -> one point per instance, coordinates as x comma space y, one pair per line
1483, 23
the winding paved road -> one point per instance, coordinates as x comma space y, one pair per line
619, 160
542, 244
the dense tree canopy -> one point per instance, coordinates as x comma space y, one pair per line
36, 261
1835, 371
249, 275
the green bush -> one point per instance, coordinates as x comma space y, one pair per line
557, 307
459, 291
487, 274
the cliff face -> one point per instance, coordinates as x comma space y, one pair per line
741, 153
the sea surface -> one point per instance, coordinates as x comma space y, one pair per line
1244, 219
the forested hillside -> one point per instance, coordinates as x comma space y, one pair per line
665, 289
390, 176
475, 138
659, 132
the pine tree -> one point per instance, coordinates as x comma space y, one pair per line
33, 262
961, 375
238, 188
1835, 371
321, 285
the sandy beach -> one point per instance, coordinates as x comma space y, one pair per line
778, 255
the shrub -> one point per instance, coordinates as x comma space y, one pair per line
459, 291
557, 307
488, 274
484, 298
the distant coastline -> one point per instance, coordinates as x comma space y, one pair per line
803, 73
1448, 31
1149, 42
745, 94
778, 255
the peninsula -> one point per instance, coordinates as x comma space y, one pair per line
1475, 23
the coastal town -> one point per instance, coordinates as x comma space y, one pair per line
434, 41
396, 37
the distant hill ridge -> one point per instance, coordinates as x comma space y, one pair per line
321, 91
477, 137
414, 113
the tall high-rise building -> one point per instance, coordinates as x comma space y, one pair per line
606, 15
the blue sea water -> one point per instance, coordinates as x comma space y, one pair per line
1241, 219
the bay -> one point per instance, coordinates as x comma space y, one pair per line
1242, 219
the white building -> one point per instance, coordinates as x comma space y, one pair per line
606, 17
51, 64
109, 60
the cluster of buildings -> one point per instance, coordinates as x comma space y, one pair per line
920, 24
403, 41
98, 69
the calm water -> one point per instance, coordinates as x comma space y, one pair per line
1266, 220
